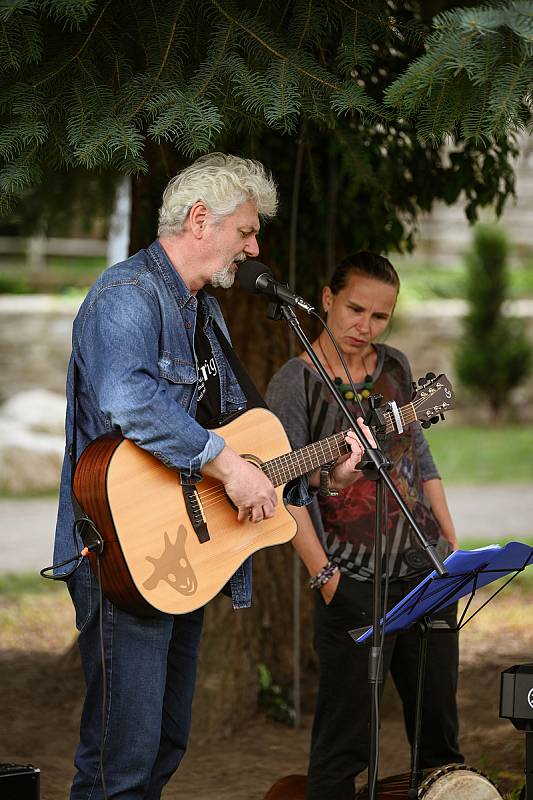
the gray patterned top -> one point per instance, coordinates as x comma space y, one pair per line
345, 524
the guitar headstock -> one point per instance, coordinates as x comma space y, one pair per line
432, 397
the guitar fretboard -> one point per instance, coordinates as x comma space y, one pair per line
285, 468
292, 465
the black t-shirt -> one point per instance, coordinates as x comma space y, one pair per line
208, 408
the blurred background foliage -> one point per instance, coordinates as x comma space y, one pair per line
493, 356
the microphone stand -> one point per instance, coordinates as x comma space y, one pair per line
374, 466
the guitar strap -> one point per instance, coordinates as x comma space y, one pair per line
253, 397
73, 447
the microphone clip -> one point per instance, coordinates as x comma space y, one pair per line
274, 310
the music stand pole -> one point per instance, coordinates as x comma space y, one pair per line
424, 629
375, 661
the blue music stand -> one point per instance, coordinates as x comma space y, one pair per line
467, 571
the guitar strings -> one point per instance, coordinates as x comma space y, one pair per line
218, 491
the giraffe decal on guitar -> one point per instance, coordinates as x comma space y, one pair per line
173, 566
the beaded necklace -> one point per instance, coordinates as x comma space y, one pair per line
344, 388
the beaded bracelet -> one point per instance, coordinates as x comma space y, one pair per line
323, 575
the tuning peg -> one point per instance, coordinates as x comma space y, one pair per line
430, 376
426, 423
422, 381
442, 417
434, 420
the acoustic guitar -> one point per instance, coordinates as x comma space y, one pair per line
171, 547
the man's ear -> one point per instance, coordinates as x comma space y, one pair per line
198, 218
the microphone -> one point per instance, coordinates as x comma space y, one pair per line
257, 278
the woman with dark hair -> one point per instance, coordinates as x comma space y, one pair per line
335, 538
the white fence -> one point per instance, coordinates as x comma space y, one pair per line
37, 248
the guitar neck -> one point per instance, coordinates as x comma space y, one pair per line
292, 465
285, 468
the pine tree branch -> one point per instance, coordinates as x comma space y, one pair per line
161, 66
307, 21
14, 63
80, 51
366, 15
355, 34
315, 78
156, 24
502, 103
216, 64
281, 22
443, 94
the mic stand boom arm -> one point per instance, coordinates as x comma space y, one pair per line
378, 461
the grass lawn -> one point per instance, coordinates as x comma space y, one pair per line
61, 274
431, 282
466, 454
14, 585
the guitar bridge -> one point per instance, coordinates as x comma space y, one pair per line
195, 513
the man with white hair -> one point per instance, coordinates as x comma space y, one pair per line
149, 364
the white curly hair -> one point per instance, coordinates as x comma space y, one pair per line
220, 181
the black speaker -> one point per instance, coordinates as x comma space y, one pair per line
516, 696
516, 704
19, 782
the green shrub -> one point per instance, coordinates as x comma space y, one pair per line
493, 356
276, 700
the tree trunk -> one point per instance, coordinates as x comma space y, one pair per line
147, 191
236, 642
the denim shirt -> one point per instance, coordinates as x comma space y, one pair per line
133, 342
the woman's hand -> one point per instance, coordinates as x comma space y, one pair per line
328, 590
345, 471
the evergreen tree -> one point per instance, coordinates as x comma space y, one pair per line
494, 356
99, 87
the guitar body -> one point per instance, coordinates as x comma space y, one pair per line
162, 551
292, 787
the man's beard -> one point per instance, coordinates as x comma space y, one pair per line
225, 276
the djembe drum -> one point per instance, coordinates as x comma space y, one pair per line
453, 782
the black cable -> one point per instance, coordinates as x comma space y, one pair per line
97, 546
104, 677
343, 362
78, 557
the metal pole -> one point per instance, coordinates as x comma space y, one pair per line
296, 592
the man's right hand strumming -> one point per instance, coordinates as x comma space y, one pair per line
246, 485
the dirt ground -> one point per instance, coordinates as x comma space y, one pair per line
41, 695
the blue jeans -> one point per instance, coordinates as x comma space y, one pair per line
151, 671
